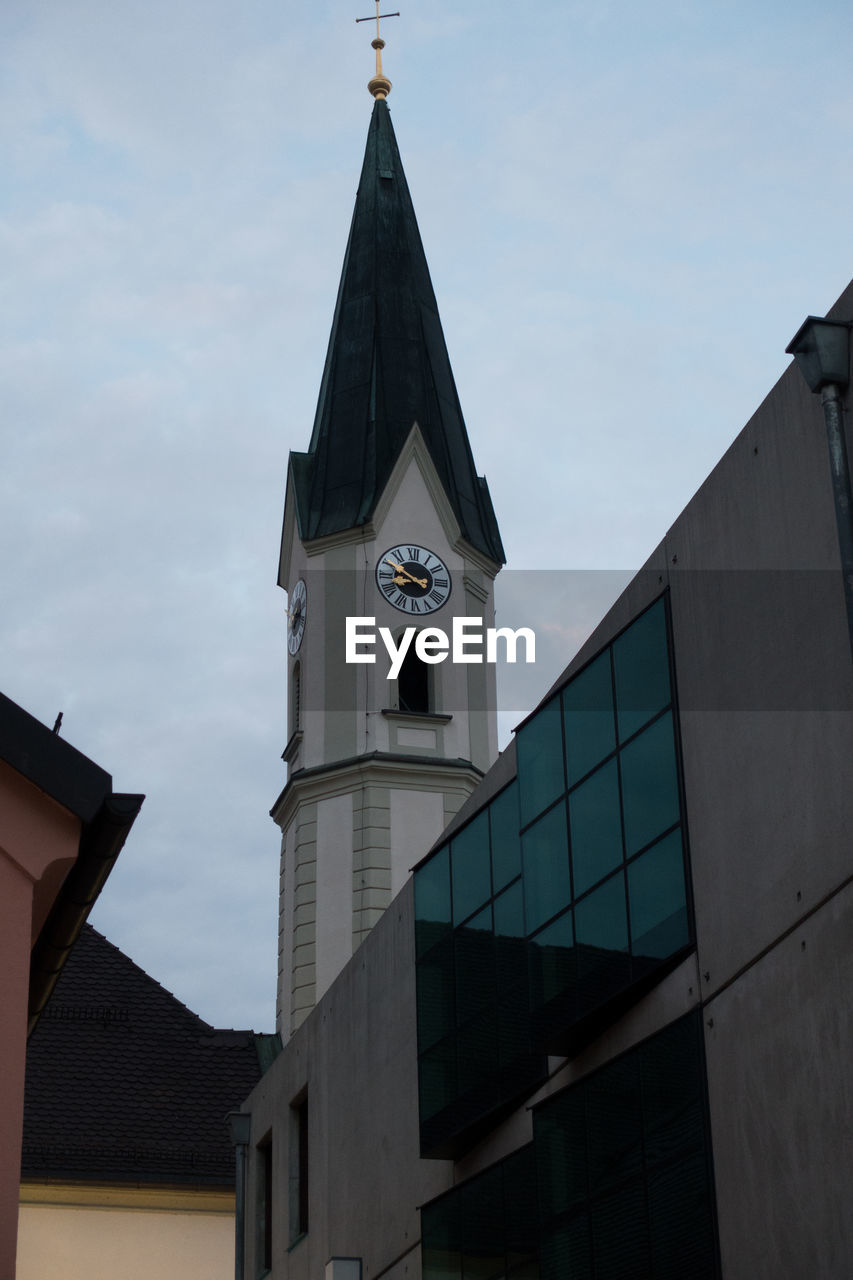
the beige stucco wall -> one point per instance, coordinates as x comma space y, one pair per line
134, 1236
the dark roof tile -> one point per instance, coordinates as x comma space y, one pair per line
124, 1083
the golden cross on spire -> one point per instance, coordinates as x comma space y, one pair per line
380, 85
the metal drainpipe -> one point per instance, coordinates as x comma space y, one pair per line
240, 1127
833, 415
240, 1216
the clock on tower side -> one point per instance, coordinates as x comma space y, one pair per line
376, 766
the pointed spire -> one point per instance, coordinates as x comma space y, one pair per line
387, 367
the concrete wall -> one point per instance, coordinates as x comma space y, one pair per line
356, 1056
779, 1042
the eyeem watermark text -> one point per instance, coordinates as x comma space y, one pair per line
432, 645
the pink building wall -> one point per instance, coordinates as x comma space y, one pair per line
39, 842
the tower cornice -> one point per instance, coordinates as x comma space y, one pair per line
380, 768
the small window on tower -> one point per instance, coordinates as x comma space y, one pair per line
413, 684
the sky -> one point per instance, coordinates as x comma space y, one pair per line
628, 211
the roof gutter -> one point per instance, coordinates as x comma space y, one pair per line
101, 842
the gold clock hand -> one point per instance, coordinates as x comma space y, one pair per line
421, 582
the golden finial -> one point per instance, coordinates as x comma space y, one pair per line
380, 85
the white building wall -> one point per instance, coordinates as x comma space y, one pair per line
417, 821
334, 888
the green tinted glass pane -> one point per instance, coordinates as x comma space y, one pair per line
435, 995
545, 861
601, 921
620, 1235
523, 1269
641, 664
588, 712
509, 913
470, 867
540, 761
673, 1089
441, 1264
432, 900
474, 948
513, 1022
658, 899
560, 1143
649, 785
478, 1213
439, 1230
437, 1083
483, 1266
510, 942
553, 969
567, 1252
615, 1119
595, 824
477, 1046
506, 846
681, 1223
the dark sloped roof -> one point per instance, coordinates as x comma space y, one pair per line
51, 763
386, 368
125, 1084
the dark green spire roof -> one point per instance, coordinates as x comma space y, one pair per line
387, 367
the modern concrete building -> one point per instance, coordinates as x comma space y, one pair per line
605, 1029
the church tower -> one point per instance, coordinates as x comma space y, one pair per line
385, 521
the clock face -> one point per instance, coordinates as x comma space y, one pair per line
413, 579
296, 615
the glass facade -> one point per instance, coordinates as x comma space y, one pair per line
616, 1184
563, 898
475, 1053
604, 871
487, 1228
623, 1169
